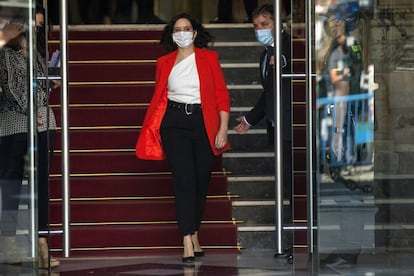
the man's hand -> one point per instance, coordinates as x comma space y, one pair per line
242, 127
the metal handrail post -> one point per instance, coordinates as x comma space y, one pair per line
65, 128
32, 131
309, 124
278, 129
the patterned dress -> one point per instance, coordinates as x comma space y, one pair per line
14, 95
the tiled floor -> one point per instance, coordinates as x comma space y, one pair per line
256, 263
248, 263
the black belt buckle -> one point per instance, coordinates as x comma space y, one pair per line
186, 107
189, 108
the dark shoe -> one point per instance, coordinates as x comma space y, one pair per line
199, 254
336, 262
219, 20
151, 20
189, 260
290, 259
285, 255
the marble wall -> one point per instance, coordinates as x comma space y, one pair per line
390, 48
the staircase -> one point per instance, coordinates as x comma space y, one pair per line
251, 161
120, 205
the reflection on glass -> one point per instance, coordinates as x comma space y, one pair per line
345, 137
16, 221
13, 123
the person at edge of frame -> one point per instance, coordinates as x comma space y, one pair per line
263, 22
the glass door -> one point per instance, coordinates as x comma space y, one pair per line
19, 122
364, 137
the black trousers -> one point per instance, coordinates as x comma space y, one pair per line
225, 8
287, 170
186, 145
13, 149
46, 141
123, 10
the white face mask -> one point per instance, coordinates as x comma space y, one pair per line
264, 36
183, 39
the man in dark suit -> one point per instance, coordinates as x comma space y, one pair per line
263, 23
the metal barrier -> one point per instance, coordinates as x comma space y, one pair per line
346, 127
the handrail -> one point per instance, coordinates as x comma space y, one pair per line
65, 127
278, 130
32, 134
309, 126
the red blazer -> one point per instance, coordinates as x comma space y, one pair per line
214, 97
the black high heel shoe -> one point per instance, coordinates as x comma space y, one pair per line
199, 254
189, 260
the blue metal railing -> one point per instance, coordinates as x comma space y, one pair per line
346, 129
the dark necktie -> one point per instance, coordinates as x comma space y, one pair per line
266, 59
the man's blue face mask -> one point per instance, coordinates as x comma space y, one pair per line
264, 36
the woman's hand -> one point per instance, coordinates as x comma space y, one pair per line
39, 119
221, 136
221, 139
56, 84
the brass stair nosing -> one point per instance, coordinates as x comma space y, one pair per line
106, 41
124, 223
121, 198
111, 61
79, 83
104, 105
99, 127
224, 173
238, 247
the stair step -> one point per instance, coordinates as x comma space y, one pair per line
257, 214
95, 162
250, 52
110, 32
144, 239
106, 94
137, 49
256, 164
249, 142
118, 186
240, 33
112, 72
261, 190
241, 76
145, 210
104, 116
101, 139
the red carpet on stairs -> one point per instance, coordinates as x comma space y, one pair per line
121, 205
102, 186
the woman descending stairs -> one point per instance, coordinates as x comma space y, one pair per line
120, 205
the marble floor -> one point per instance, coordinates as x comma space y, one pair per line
247, 263
254, 263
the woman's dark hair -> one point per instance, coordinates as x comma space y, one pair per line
202, 39
41, 34
17, 42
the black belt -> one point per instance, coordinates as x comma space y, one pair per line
187, 108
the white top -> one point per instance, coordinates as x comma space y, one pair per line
183, 82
